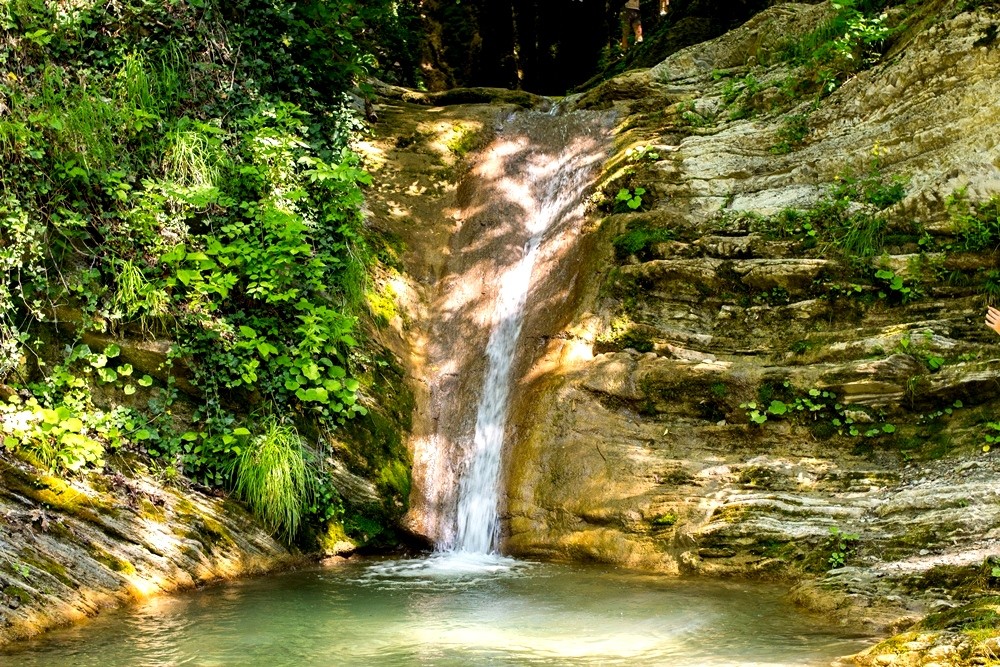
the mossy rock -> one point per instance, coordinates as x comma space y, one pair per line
21, 595
45, 564
110, 561
979, 617
52, 492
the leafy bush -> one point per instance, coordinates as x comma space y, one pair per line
792, 134
180, 170
852, 40
976, 225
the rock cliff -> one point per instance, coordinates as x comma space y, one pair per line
746, 386
765, 356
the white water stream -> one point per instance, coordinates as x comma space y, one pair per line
552, 189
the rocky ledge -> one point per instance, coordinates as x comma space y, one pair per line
71, 548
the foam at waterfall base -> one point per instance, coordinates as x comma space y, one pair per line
445, 568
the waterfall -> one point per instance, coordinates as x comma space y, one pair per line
549, 186
478, 500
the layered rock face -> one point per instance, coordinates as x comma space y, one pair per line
744, 389
73, 548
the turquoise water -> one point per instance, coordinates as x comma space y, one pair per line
448, 610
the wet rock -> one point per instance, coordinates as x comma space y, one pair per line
79, 546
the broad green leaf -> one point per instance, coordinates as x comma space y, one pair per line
72, 424
311, 371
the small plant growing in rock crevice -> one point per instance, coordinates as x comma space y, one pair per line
976, 225
638, 238
842, 545
629, 200
819, 409
792, 134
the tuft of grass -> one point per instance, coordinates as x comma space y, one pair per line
192, 155
859, 235
273, 477
134, 295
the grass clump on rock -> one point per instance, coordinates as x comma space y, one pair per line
273, 477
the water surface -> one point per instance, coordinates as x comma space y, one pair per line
467, 610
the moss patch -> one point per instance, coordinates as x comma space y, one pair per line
54, 493
978, 617
43, 563
18, 593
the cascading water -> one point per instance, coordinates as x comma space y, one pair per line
549, 187
478, 514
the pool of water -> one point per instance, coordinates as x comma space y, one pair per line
451, 610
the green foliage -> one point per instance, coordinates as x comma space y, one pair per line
690, 117
841, 545
817, 408
792, 134
643, 154
896, 289
977, 226
852, 40
638, 238
919, 350
181, 170
738, 94
271, 474
628, 200
992, 435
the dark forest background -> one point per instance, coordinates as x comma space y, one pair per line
553, 46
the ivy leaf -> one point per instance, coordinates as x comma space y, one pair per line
313, 394
145, 381
265, 349
777, 408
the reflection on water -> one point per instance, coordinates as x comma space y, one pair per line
451, 609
